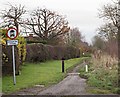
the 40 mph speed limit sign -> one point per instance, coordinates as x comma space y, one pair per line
12, 33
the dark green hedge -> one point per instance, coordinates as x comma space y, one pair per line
7, 63
40, 52
30, 42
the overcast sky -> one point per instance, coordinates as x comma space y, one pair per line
79, 13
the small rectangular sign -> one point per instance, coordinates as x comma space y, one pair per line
12, 42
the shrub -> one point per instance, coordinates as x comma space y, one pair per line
7, 60
40, 52
20, 52
21, 48
105, 71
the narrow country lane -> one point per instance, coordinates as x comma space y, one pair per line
71, 85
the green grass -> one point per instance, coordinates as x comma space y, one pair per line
0, 85
98, 91
45, 73
95, 86
100, 80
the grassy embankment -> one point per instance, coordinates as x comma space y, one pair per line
45, 73
102, 77
0, 84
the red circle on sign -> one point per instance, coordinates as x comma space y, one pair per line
13, 29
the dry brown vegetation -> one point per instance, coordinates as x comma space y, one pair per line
103, 72
104, 61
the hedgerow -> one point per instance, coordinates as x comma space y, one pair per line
39, 52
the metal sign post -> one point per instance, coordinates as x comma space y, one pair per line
14, 77
12, 34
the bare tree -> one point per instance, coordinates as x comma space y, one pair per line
108, 31
119, 46
110, 13
111, 29
74, 37
99, 43
13, 15
47, 24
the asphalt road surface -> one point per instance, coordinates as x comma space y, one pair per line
71, 85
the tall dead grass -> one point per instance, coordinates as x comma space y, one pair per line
105, 68
104, 61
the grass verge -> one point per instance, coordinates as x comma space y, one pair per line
45, 73
101, 79
0, 85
